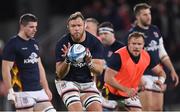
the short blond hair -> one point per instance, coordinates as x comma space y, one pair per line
135, 35
75, 16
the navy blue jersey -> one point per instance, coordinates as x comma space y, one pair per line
25, 54
152, 36
80, 72
109, 50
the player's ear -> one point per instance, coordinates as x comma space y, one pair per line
85, 24
67, 28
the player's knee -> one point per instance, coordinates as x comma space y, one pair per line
71, 99
156, 108
49, 109
91, 99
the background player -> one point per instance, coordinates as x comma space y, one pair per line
91, 25
22, 50
152, 97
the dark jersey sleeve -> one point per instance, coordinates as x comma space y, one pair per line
114, 62
97, 52
9, 51
58, 52
116, 45
158, 31
59, 46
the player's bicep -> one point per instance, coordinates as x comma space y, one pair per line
7, 64
162, 51
111, 72
58, 64
6, 68
97, 52
98, 61
40, 63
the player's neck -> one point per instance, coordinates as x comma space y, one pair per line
142, 26
23, 36
83, 37
112, 41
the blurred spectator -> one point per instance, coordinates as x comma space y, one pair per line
91, 25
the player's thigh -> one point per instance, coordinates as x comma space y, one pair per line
134, 109
146, 98
157, 100
25, 110
70, 95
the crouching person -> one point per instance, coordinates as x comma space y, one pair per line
125, 69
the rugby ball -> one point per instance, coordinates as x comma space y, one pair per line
76, 53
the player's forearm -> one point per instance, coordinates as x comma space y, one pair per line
113, 82
158, 70
42, 73
168, 64
43, 79
44, 83
62, 68
162, 75
164, 56
118, 86
96, 67
109, 78
6, 68
7, 79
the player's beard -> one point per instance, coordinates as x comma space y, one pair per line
78, 36
146, 23
105, 42
136, 52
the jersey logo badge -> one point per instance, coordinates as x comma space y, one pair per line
156, 34
110, 53
33, 58
145, 36
24, 48
153, 45
36, 47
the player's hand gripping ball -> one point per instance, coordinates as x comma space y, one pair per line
76, 53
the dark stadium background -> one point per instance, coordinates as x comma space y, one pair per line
52, 16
